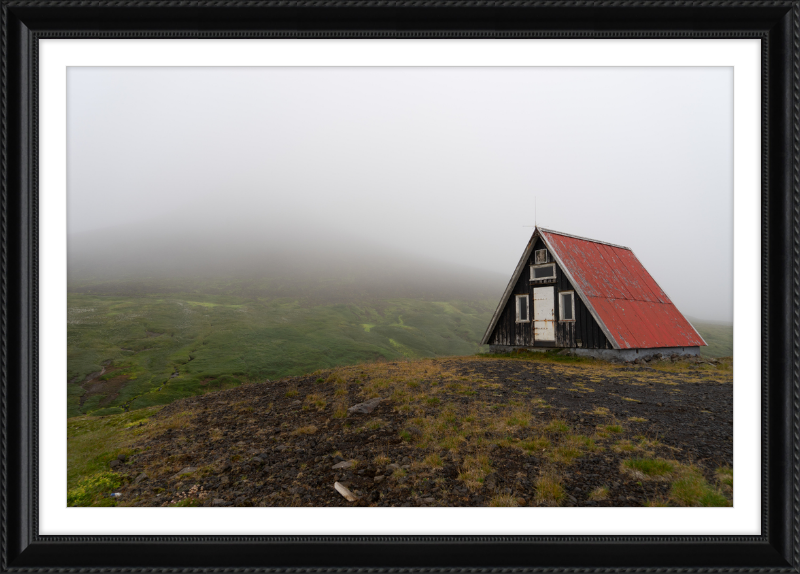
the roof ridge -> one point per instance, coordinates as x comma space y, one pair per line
554, 232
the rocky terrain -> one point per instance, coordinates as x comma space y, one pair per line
471, 431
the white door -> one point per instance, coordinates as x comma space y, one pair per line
543, 314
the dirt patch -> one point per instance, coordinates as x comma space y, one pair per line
92, 376
110, 386
448, 432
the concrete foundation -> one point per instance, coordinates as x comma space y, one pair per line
606, 354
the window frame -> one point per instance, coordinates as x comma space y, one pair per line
527, 308
561, 306
546, 256
538, 279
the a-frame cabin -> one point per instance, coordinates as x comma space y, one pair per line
587, 295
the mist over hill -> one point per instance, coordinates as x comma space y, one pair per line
183, 304
263, 257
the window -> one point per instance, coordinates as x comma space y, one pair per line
522, 309
541, 256
566, 305
546, 272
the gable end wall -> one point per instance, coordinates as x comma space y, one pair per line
585, 329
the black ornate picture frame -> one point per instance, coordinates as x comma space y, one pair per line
775, 23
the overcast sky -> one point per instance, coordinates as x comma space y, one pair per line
446, 162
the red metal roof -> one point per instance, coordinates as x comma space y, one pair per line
630, 306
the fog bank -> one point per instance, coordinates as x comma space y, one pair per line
263, 257
444, 165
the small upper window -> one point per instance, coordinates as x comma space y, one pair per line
543, 271
567, 305
522, 309
541, 256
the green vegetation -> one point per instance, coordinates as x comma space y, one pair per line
725, 477
550, 356
549, 489
153, 349
475, 469
650, 466
501, 500
718, 336
557, 426
187, 502
691, 489
433, 461
93, 490
89, 439
599, 493
476, 434
93, 443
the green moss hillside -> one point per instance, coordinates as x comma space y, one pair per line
127, 352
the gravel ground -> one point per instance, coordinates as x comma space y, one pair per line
472, 431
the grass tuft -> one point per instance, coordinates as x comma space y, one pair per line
624, 446
316, 400
474, 470
599, 493
503, 500
649, 467
556, 426
375, 424
433, 461
691, 489
535, 445
549, 490
518, 418
725, 476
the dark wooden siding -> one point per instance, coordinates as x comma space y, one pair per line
583, 332
508, 331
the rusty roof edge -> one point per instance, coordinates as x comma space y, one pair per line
670, 300
585, 239
577, 288
510, 287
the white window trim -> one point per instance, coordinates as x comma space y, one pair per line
552, 278
546, 256
527, 307
561, 306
